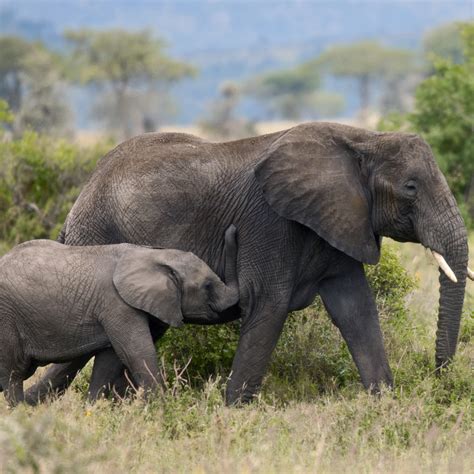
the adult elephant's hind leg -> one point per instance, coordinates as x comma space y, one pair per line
55, 380
259, 334
106, 370
13, 389
351, 306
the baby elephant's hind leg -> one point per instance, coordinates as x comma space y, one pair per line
131, 339
13, 370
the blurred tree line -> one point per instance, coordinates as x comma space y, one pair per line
380, 72
130, 76
130, 72
385, 79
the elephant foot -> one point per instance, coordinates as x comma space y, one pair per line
245, 394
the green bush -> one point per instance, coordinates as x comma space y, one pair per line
40, 178
205, 350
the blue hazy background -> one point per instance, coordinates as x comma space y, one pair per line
233, 40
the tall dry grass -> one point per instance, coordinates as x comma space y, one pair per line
312, 415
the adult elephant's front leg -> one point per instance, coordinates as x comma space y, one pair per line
351, 305
260, 330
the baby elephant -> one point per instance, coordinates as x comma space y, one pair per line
59, 302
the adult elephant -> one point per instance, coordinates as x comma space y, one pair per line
310, 203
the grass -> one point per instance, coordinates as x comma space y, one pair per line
424, 301
312, 415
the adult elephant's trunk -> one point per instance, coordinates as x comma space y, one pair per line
227, 294
454, 250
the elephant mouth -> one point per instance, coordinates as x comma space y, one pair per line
201, 316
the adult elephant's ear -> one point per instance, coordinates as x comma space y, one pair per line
320, 186
146, 284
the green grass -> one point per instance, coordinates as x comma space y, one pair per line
312, 414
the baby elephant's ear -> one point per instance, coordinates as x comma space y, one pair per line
146, 284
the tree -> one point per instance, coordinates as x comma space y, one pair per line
444, 115
132, 69
293, 93
30, 79
366, 62
444, 42
13, 54
223, 122
44, 109
6, 116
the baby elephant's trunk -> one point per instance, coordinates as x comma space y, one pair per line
228, 294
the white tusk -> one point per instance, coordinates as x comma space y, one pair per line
470, 273
444, 266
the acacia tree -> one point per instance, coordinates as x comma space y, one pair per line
223, 121
445, 42
293, 93
131, 68
30, 82
367, 62
13, 53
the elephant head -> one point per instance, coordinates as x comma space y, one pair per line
173, 285
352, 186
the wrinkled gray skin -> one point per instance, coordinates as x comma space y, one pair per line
311, 204
59, 302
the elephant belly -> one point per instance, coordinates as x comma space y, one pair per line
303, 298
60, 339
57, 351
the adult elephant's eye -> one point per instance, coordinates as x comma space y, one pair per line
410, 187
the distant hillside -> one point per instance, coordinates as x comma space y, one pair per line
235, 39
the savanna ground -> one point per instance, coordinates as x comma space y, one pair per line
312, 415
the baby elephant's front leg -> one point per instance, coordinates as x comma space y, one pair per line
131, 339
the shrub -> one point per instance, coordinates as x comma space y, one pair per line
209, 350
40, 178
